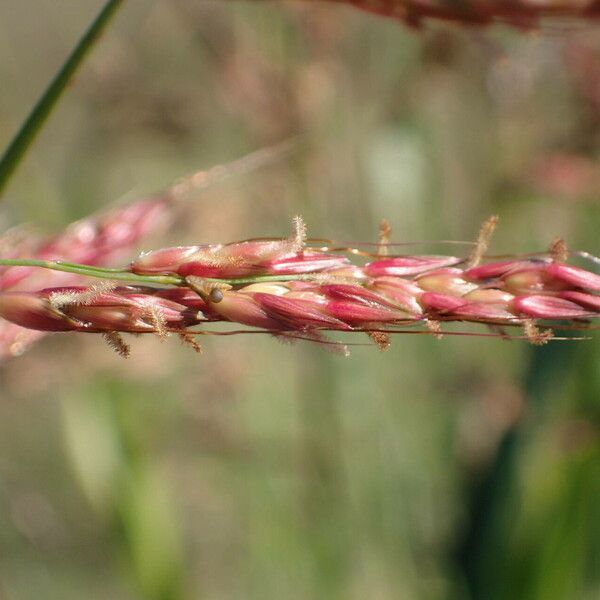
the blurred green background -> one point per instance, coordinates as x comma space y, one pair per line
454, 468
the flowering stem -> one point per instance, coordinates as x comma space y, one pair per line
124, 275
32, 125
90, 271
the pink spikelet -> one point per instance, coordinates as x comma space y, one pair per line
318, 291
107, 239
100, 240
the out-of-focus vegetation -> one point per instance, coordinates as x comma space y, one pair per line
461, 467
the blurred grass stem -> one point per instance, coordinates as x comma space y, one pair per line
91, 271
17, 149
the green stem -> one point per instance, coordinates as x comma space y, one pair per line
124, 275
32, 125
90, 271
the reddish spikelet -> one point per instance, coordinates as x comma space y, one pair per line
238, 259
307, 262
494, 270
31, 310
356, 294
574, 276
297, 313
439, 303
244, 309
131, 310
592, 303
405, 266
447, 281
166, 260
253, 258
362, 315
403, 293
320, 291
101, 241
484, 312
548, 307
534, 279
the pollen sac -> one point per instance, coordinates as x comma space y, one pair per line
404, 266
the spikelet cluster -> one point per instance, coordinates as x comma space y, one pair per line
99, 240
292, 290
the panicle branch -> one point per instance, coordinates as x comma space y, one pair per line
102, 240
294, 291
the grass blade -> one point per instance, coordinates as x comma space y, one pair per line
18, 147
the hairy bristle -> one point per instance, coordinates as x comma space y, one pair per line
285, 338
86, 297
382, 340
187, 339
482, 243
59, 300
324, 342
384, 236
298, 237
117, 343
534, 335
435, 328
558, 250
219, 258
155, 317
